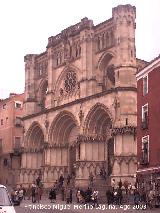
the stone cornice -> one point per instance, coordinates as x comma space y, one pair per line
81, 100
70, 31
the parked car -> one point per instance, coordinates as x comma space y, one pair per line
6, 204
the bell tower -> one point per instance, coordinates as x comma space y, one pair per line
124, 128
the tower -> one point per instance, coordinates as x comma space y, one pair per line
124, 130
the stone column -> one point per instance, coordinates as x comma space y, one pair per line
51, 80
87, 59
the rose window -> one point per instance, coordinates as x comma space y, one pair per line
70, 81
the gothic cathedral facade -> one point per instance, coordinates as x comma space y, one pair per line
81, 103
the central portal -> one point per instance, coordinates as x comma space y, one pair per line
64, 133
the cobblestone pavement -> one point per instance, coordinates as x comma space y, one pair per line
45, 206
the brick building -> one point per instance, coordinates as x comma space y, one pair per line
11, 136
148, 139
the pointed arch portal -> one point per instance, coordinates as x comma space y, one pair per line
63, 134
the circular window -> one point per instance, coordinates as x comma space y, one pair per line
70, 81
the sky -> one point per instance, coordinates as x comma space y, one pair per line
26, 25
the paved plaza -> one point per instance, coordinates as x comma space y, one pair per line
61, 206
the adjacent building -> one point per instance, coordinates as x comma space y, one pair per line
11, 137
148, 139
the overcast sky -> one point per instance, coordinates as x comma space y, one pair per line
25, 26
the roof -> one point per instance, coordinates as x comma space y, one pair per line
11, 96
149, 67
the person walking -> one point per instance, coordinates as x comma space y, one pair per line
151, 197
91, 177
33, 192
68, 194
20, 194
119, 196
136, 197
78, 194
94, 198
28, 192
109, 196
52, 195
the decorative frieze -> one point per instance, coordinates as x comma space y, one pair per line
91, 138
131, 130
122, 158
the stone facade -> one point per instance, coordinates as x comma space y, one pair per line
80, 102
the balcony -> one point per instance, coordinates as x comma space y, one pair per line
17, 150
144, 124
144, 161
18, 122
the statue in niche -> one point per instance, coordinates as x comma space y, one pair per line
67, 50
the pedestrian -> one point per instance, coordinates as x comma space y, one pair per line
28, 192
63, 192
120, 184
136, 197
94, 198
119, 196
61, 179
38, 180
91, 177
109, 196
68, 196
52, 195
68, 179
151, 197
88, 194
78, 194
113, 184
143, 197
20, 193
126, 186
33, 192
24, 193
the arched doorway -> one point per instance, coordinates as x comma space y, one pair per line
94, 142
63, 133
33, 156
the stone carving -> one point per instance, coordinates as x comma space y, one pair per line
67, 50
81, 115
70, 31
91, 138
125, 159
105, 40
70, 81
124, 130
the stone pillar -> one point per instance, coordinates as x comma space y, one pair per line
51, 80
30, 98
87, 80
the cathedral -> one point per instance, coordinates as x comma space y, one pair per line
81, 103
